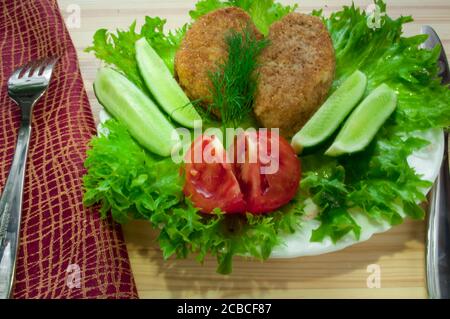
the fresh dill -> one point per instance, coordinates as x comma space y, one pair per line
234, 81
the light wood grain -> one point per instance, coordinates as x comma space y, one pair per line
399, 252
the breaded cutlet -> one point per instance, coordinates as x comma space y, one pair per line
296, 73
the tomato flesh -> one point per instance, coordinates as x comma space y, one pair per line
261, 178
267, 191
211, 184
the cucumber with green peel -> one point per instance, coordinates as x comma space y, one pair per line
365, 121
163, 86
128, 104
331, 114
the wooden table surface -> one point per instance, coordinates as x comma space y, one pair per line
398, 253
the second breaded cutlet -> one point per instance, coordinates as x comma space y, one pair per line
204, 47
296, 73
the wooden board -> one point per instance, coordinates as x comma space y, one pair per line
397, 254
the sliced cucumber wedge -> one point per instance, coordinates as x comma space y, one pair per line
365, 121
163, 86
331, 114
127, 103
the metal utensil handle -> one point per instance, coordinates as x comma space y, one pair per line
438, 241
11, 211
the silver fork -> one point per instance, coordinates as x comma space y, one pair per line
25, 87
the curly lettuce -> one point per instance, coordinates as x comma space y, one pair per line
262, 12
117, 49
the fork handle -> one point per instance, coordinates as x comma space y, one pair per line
11, 211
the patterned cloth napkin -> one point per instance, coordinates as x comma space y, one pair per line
65, 251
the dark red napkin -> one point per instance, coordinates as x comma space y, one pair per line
65, 251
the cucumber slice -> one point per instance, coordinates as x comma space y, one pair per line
364, 122
163, 86
331, 114
127, 103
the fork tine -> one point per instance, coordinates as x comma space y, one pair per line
27, 69
21, 71
33, 67
42, 64
47, 67
16, 73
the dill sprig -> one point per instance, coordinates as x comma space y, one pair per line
234, 81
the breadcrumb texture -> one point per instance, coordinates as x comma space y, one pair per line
296, 73
204, 47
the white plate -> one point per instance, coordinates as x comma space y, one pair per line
426, 162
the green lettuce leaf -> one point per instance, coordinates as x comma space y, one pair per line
117, 49
127, 180
203, 7
335, 223
262, 12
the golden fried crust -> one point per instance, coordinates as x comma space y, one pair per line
296, 73
204, 47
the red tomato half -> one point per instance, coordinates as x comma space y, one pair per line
264, 176
210, 182
270, 179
